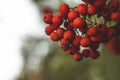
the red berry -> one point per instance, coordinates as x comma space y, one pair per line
49, 29
54, 36
102, 28
92, 30
94, 54
69, 26
105, 13
77, 48
64, 42
82, 9
57, 19
114, 45
92, 9
78, 22
73, 14
64, 47
76, 41
48, 18
83, 29
86, 52
99, 3
115, 16
73, 49
85, 42
60, 32
77, 56
69, 35
96, 38
94, 45
110, 33
114, 5
64, 9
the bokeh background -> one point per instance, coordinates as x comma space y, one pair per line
28, 54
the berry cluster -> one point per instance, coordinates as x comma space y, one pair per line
78, 30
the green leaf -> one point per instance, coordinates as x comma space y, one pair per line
111, 23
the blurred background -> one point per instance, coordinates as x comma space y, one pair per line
27, 53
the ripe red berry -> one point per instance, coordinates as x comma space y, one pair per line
114, 45
54, 36
105, 13
77, 48
96, 38
102, 28
94, 45
92, 30
76, 41
69, 35
57, 19
49, 29
86, 52
114, 5
83, 29
73, 14
48, 18
60, 32
115, 16
78, 22
85, 42
69, 26
82, 9
94, 54
110, 33
77, 56
64, 42
99, 3
73, 49
92, 9
64, 9
64, 47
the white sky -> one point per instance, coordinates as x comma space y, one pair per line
18, 18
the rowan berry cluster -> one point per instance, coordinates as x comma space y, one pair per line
77, 29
